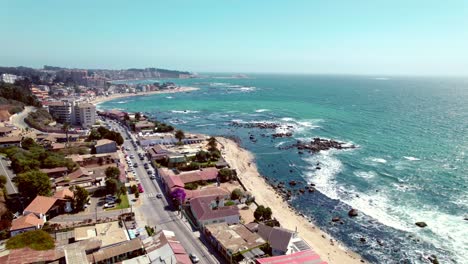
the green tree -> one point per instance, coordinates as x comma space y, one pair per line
212, 145
137, 116
112, 172
225, 174
66, 129
202, 156
122, 190
33, 183
112, 185
134, 189
28, 143
236, 194
81, 197
3, 181
37, 240
267, 213
179, 134
258, 213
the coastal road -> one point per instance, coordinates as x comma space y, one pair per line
157, 212
18, 119
4, 170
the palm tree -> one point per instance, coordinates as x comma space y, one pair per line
66, 128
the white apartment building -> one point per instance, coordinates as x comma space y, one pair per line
75, 113
9, 78
84, 114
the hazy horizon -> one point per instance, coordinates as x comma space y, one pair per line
417, 38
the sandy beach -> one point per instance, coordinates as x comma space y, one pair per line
101, 99
243, 161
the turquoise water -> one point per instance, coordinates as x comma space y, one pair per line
410, 164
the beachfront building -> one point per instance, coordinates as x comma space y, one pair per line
105, 146
172, 180
235, 242
158, 153
84, 114
211, 209
151, 139
281, 240
307, 256
142, 126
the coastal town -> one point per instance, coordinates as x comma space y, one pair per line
80, 185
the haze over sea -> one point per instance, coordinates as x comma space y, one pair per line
410, 164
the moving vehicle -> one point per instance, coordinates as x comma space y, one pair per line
194, 258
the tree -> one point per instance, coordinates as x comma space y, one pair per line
202, 156
236, 194
212, 145
3, 181
33, 183
66, 128
179, 134
137, 116
258, 214
28, 143
134, 189
262, 213
81, 197
178, 195
112, 173
36, 239
122, 189
225, 174
112, 185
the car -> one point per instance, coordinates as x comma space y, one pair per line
194, 258
132, 156
135, 165
109, 205
152, 177
159, 195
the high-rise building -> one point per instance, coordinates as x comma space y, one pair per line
60, 111
84, 114
8, 78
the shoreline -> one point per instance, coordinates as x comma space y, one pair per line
243, 162
102, 99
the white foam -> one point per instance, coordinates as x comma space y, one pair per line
261, 110
379, 160
169, 97
382, 78
122, 102
280, 144
411, 158
365, 174
324, 179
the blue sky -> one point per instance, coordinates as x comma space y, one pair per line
311, 36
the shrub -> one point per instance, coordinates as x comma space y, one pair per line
191, 186
229, 203
37, 240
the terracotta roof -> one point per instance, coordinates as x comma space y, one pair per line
170, 179
63, 193
78, 173
109, 252
10, 139
26, 221
307, 256
27, 255
202, 210
58, 146
41, 204
206, 174
208, 191
5, 129
102, 142
54, 170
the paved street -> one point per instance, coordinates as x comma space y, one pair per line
153, 212
10, 186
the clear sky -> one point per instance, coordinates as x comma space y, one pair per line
422, 37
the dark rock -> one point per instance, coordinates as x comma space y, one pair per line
353, 212
319, 144
312, 184
433, 259
301, 191
318, 168
362, 239
292, 183
282, 135
335, 219
421, 224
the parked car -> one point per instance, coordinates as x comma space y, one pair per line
135, 165
109, 205
159, 195
194, 258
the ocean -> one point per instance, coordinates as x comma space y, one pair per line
410, 163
